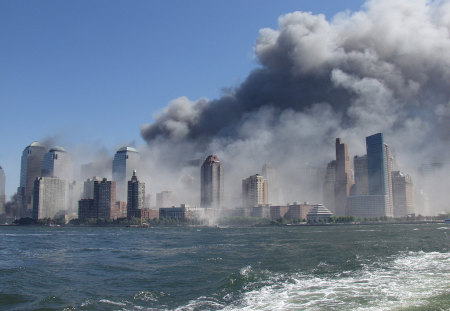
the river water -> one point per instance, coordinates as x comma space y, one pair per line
372, 267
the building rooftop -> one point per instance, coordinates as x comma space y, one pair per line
57, 148
127, 149
36, 144
321, 210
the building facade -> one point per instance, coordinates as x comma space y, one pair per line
57, 162
136, 197
344, 180
211, 183
104, 198
329, 184
402, 189
49, 198
319, 214
30, 169
255, 191
126, 160
361, 175
2, 191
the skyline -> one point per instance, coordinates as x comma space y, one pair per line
63, 59
379, 68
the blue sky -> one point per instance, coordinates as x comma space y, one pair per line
92, 72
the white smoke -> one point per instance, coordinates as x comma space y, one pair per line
383, 69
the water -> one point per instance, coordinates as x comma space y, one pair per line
379, 267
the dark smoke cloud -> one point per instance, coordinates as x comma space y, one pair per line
383, 69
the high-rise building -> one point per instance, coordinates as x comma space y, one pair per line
389, 169
254, 191
104, 198
49, 200
136, 197
328, 185
361, 175
165, 199
126, 160
2, 191
211, 180
32, 157
57, 162
88, 188
402, 190
344, 180
378, 203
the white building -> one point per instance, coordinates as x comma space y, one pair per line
49, 199
255, 191
57, 162
319, 214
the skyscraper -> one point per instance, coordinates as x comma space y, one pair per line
104, 198
2, 191
378, 203
402, 189
49, 199
32, 157
344, 180
126, 160
361, 175
254, 191
136, 197
328, 185
275, 195
57, 163
211, 179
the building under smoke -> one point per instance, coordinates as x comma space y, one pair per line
211, 183
378, 203
344, 180
31, 162
57, 162
126, 160
165, 198
361, 175
255, 191
2, 191
329, 184
402, 189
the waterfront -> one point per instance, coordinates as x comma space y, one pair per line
371, 267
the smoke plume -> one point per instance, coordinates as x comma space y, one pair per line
383, 69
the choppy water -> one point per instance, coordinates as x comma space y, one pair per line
380, 267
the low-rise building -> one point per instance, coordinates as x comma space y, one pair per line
319, 214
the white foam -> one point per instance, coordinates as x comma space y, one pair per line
403, 282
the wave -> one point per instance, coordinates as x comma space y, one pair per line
408, 281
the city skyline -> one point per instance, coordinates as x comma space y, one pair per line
315, 77
58, 68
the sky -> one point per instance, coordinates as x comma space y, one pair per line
90, 73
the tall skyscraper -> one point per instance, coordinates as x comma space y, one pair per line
361, 175
254, 191
402, 189
104, 198
126, 160
378, 203
57, 163
328, 185
211, 179
344, 180
49, 199
32, 157
2, 191
136, 197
